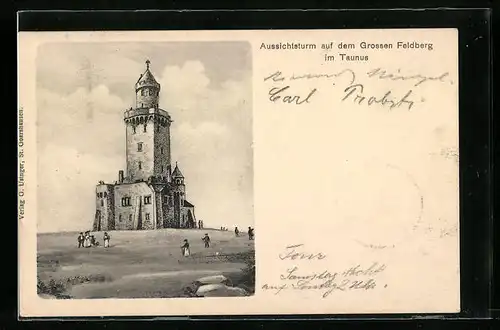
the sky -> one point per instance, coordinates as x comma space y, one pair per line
83, 90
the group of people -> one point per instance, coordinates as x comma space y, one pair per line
88, 240
186, 252
251, 233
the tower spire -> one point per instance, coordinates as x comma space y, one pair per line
148, 62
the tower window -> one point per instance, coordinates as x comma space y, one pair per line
145, 126
162, 169
125, 201
140, 165
147, 216
105, 194
147, 199
139, 146
102, 202
120, 218
161, 152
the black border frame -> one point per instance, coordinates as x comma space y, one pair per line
475, 111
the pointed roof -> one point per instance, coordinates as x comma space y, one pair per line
177, 173
147, 78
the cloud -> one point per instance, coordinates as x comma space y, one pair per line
66, 186
89, 120
212, 139
82, 140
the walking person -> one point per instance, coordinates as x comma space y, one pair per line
106, 240
81, 238
206, 239
236, 232
185, 249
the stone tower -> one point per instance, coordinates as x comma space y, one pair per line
147, 133
178, 191
148, 195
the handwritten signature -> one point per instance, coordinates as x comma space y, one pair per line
384, 74
354, 91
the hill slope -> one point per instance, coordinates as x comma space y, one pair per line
138, 264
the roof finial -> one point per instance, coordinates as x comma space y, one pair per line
175, 164
147, 64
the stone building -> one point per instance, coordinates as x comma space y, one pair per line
149, 195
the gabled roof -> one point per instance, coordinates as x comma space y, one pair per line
177, 173
187, 204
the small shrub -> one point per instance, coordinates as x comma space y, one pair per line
247, 279
53, 288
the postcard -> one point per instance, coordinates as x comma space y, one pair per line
284, 172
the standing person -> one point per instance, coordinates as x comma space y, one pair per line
86, 240
185, 249
89, 239
81, 238
206, 239
106, 239
250, 233
236, 232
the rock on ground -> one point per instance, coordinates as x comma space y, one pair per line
220, 290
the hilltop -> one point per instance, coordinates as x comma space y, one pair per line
139, 264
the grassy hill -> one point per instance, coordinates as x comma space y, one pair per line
138, 264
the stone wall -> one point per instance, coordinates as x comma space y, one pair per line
162, 152
187, 213
146, 156
104, 219
137, 213
147, 97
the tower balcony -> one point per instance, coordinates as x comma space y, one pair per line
146, 112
